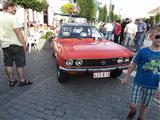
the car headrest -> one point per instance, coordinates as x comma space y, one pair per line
83, 34
66, 34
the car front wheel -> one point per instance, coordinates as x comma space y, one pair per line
62, 76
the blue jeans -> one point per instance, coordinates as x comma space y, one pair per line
108, 35
139, 40
128, 39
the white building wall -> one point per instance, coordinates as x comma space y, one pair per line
50, 15
36, 16
20, 15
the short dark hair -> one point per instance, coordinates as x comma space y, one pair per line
155, 28
127, 18
118, 21
8, 4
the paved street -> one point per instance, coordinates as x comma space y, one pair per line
82, 98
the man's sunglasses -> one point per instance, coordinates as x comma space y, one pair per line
157, 36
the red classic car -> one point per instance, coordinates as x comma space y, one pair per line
81, 48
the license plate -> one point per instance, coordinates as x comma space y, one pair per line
101, 74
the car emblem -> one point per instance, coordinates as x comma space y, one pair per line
103, 62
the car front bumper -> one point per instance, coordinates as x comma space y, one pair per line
93, 69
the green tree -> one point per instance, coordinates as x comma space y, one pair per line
83, 6
91, 9
151, 20
116, 17
35, 5
88, 9
103, 13
157, 18
100, 14
111, 16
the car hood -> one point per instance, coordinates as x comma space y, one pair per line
93, 49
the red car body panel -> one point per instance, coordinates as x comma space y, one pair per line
89, 48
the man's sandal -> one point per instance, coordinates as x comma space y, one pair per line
26, 82
131, 115
12, 83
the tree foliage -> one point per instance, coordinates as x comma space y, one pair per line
157, 18
83, 6
111, 16
88, 8
116, 17
103, 13
35, 5
153, 19
91, 9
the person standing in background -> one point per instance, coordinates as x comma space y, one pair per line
109, 31
98, 24
122, 36
117, 31
142, 28
130, 32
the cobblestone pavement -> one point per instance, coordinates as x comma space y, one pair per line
82, 98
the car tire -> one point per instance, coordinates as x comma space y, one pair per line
53, 55
116, 73
62, 76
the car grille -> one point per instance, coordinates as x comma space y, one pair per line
100, 62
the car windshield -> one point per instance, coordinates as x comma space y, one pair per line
79, 32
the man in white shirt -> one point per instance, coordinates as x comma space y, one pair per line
109, 31
130, 32
13, 45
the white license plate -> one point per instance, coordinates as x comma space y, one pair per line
101, 74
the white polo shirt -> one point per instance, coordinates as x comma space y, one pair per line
7, 35
130, 28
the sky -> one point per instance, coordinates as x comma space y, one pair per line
133, 8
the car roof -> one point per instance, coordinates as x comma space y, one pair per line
76, 24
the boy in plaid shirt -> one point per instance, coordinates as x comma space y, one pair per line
147, 63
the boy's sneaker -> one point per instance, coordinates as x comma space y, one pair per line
131, 115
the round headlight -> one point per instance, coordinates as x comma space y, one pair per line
79, 62
126, 60
120, 60
69, 62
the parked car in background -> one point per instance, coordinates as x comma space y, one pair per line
81, 48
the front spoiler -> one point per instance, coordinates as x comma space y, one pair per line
92, 69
